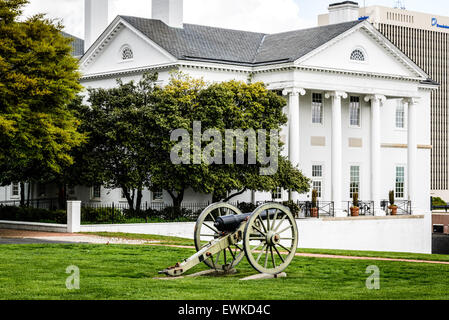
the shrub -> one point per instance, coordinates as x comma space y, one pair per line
438, 202
294, 208
102, 215
355, 200
314, 198
391, 197
28, 214
175, 214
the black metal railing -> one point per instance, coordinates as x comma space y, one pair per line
404, 207
325, 209
366, 208
111, 213
51, 204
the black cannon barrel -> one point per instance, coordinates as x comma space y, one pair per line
232, 222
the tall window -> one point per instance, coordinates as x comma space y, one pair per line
277, 194
400, 115
158, 195
354, 112
96, 192
317, 182
400, 182
15, 190
354, 186
318, 186
317, 108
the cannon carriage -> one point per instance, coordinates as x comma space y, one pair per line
267, 237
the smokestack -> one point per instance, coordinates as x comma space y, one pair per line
95, 20
171, 12
343, 12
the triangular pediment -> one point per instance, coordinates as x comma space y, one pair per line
106, 54
380, 56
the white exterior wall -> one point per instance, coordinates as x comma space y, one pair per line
388, 234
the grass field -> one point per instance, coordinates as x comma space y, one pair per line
127, 272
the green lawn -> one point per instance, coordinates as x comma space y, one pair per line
126, 272
188, 242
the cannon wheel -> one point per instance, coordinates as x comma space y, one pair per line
270, 245
205, 231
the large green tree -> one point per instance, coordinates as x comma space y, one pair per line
120, 126
231, 105
38, 79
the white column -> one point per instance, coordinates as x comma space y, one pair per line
294, 126
337, 162
376, 102
412, 150
73, 216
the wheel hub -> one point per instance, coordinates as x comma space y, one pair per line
273, 238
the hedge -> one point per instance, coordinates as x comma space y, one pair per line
27, 214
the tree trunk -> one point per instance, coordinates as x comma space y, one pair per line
22, 194
129, 198
139, 198
29, 193
177, 199
62, 196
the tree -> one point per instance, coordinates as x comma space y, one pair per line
130, 142
38, 79
222, 106
120, 128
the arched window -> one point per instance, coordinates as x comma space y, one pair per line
357, 55
127, 53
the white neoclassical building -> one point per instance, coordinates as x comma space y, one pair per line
358, 108
358, 111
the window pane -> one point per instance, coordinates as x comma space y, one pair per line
317, 185
96, 192
400, 115
400, 182
158, 195
317, 108
127, 53
357, 55
317, 171
355, 181
354, 111
15, 189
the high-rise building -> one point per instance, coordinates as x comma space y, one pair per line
424, 38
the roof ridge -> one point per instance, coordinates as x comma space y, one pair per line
258, 49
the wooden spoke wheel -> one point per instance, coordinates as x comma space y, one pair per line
206, 232
271, 238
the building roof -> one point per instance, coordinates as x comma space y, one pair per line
203, 43
77, 44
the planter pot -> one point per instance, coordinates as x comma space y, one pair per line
393, 210
355, 211
314, 212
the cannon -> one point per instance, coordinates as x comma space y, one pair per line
267, 237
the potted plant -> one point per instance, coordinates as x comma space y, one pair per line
393, 208
314, 209
355, 205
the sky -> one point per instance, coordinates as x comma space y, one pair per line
267, 16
